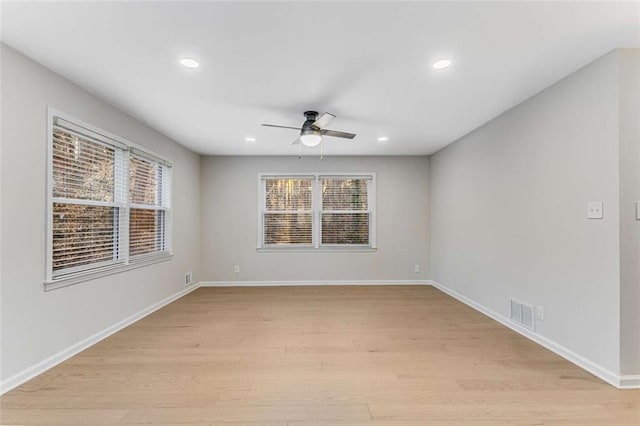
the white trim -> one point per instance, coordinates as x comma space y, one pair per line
88, 275
48, 272
87, 133
310, 283
144, 154
261, 191
53, 112
373, 208
316, 211
39, 368
123, 150
628, 381
620, 382
322, 249
83, 202
82, 270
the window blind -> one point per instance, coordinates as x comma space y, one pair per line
345, 211
108, 206
84, 208
287, 215
316, 211
150, 202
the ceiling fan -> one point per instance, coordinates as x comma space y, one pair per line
313, 129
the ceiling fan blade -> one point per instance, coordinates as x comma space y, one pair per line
323, 121
337, 134
282, 127
296, 142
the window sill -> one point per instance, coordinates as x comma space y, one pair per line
103, 272
316, 250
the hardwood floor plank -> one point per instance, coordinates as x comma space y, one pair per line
318, 356
57, 416
231, 413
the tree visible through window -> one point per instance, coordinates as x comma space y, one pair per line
288, 215
316, 211
103, 194
84, 211
147, 217
345, 211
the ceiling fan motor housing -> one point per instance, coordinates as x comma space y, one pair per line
311, 116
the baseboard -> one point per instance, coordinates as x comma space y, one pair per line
310, 283
620, 382
629, 381
39, 368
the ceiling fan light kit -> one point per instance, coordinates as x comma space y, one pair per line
311, 137
313, 129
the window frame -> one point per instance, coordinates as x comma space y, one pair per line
316, 210
122, 147
162, 205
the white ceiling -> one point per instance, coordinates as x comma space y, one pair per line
367, 63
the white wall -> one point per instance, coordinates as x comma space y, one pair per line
509, 205
229, 221
36, 325
629, 90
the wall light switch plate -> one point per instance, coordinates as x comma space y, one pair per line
594, 210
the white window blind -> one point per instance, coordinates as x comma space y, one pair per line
318, 211
149, 206
288, 214
85, 212
107, 207
345, 211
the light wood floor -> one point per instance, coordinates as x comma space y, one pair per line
330, 356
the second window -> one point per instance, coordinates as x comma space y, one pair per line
317, 211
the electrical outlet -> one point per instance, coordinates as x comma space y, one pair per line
540, 313
188, 278
236, 269
594, 210
416, 269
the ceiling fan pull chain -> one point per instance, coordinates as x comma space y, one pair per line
321, 156
299, 151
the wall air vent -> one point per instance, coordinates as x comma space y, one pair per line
523, 314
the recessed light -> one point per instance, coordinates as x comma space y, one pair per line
189, 63
442, 63
250, 139
383, 139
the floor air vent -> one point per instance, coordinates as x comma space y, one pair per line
522, 314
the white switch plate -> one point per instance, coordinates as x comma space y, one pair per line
236, 269
594, 210
416, 269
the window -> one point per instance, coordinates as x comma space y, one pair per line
288, 214
149, 206
319, 211
109, 203
345, 211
